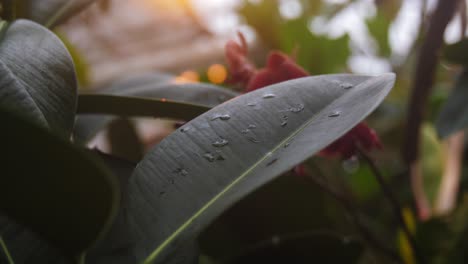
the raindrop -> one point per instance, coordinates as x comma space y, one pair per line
268, 95
209, 157
222, 117
351, 165
346, 85
181, 171
286, 144
185, 129
220, 157
298, 108
284, 123
272, 161
335, 113
220, 143
253, 140
245, 131
162, 193
252, 126
251, 104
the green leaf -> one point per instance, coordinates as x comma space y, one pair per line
115, 246
454, 114
214, 160
457, 52
305, 247
379, 27
37, 77
50, 13
153, 86
54, 188
317, 54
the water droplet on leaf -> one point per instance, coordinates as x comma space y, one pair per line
253, 140
346, 85
220, 143
185, 129
272, 161
298, 108
209, 157
335, 113
268, 95
223, 117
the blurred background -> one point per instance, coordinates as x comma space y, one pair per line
184, 39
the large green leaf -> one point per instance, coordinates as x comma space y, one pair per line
454, 114
219, 157
37, 77
152, 86
54, 188
50, 12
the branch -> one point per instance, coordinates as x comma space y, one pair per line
424, 76
424, 79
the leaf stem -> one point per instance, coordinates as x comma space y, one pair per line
396, 207
5, 250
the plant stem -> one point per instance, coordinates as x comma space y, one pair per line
5, 250
424, 78
353, 211
396, 207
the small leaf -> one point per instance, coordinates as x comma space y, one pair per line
54, 188
454, 114
152, 86
190, 177
37, 77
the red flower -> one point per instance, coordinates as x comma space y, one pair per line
280, 67
241, 68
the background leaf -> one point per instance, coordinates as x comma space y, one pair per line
47, 184
37, 77
231, 150
51, 12
152, 86
454, 113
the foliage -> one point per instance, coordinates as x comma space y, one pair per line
238, 181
